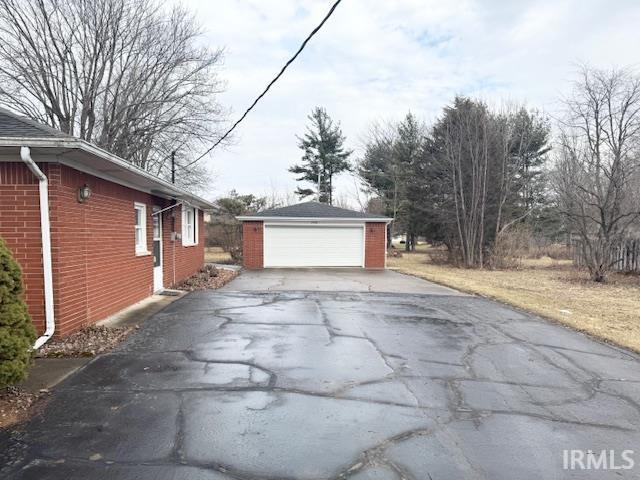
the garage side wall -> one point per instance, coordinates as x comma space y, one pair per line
252, 245
375, 247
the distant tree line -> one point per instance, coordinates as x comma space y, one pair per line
464, 181
478, 174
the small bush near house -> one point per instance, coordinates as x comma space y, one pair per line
440, 255
510, 247
16, 330
556, 251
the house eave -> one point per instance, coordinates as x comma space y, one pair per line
105, 165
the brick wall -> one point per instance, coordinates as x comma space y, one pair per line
252, 238
188, 259
20, 228
375, 244
253, 234
96, 271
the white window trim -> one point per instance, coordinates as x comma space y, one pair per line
186, 242
141, 249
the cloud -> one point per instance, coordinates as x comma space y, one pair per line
377, 59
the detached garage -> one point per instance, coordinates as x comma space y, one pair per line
314, 234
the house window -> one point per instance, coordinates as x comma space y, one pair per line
189, 226
140, 227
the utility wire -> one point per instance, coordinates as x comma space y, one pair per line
289, 62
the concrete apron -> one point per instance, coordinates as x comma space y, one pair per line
334, 280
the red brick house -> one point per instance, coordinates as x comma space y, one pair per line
93, 233
313, 234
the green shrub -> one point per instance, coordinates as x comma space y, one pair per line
16, 330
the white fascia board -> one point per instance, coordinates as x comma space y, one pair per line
105, 176
83, 145
323, 220
39, 142
315, 224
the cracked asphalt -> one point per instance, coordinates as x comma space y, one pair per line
336, 385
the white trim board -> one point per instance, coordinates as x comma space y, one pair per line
358, 220
68, 145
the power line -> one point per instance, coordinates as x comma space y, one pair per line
275, 79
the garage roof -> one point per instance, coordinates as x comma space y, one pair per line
311, 211
48, 144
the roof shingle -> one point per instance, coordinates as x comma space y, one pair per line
12, 125
314, 210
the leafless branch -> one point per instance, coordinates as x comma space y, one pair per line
127, 75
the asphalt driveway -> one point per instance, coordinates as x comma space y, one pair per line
313, 385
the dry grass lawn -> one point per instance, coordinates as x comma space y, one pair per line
217, 255
551, 288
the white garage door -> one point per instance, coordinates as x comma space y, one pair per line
313, 246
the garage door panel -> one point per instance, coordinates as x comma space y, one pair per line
313, 246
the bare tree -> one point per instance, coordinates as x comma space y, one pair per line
275, 198
465, 181
599, 163
343, 201
379, 173
377, 168
127, 75
466, 132
358, 194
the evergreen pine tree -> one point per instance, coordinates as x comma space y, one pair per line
16, 330
324, 156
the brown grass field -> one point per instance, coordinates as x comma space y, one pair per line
551, 288
217, 255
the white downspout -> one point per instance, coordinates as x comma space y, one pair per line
45, 230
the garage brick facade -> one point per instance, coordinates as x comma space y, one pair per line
375, 245
316, 216
252, 243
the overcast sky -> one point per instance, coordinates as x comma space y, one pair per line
378, 59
